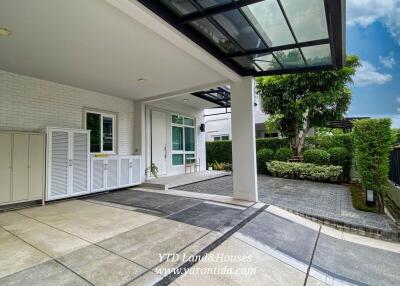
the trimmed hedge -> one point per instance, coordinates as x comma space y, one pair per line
316, 156
264, 156
221, 151
325, 142
373, 141
283, 154
340, 156
272, 143
305, 171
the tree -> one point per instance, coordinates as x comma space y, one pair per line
373, 141
307, 100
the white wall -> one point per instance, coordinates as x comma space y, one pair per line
221, 124
169, 106
28, 103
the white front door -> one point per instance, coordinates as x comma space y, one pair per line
159, 141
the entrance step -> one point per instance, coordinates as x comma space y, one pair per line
169, 182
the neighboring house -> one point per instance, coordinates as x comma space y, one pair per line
218, 123
126, 69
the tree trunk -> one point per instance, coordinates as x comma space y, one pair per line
300, 137
380, 202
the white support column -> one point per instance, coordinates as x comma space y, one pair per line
243, 140
139, 135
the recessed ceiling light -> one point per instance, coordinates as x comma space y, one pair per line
5, 31
185, 99
141, 80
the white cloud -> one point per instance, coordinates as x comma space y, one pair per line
366, 12
388, 61
367, 74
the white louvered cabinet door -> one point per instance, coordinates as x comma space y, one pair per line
79, 164
112, 173
58, 176
98, 174
125, 171
135, 170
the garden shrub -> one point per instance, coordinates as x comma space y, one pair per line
264, 156
340, 156
219, 151
305, 171
283, 154
325, 142
373, 141
272, 143
316, 156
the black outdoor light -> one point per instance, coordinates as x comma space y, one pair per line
370, 198
202, 127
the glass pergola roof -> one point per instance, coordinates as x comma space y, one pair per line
262, 37
220, 95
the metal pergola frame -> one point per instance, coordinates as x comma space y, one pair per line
335, 18
220, 96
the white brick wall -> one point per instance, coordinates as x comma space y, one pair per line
28, 103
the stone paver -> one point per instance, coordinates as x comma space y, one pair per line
331, 201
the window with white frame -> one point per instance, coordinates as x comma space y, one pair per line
183, 140
221, 137
102, 135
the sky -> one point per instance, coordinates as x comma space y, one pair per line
373, 33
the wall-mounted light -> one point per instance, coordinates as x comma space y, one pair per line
202, 127
370, 198
5, 31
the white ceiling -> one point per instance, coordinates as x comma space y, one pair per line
92, 45
193, 101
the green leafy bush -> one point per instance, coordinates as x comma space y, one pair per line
316, 156
219, 151
264, 156
220, 166
340, 156
272, 143
328, 141
283, 154
305, 171
373, 141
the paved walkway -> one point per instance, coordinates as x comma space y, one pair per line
124, 238
329, 201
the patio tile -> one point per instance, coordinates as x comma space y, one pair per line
16, 255
212, 216
101, 267
46, 274
355, 263
145, 244
262, 268
90, 221
188, 253
280, 234
147, 279
165, 204
48, 239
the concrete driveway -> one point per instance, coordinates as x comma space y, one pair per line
134, 237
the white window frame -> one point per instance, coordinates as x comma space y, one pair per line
114, 129
221, 137
183, 152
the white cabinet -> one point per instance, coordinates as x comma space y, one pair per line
21, 167
68, 163
114, 172
104, 174
129, 171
